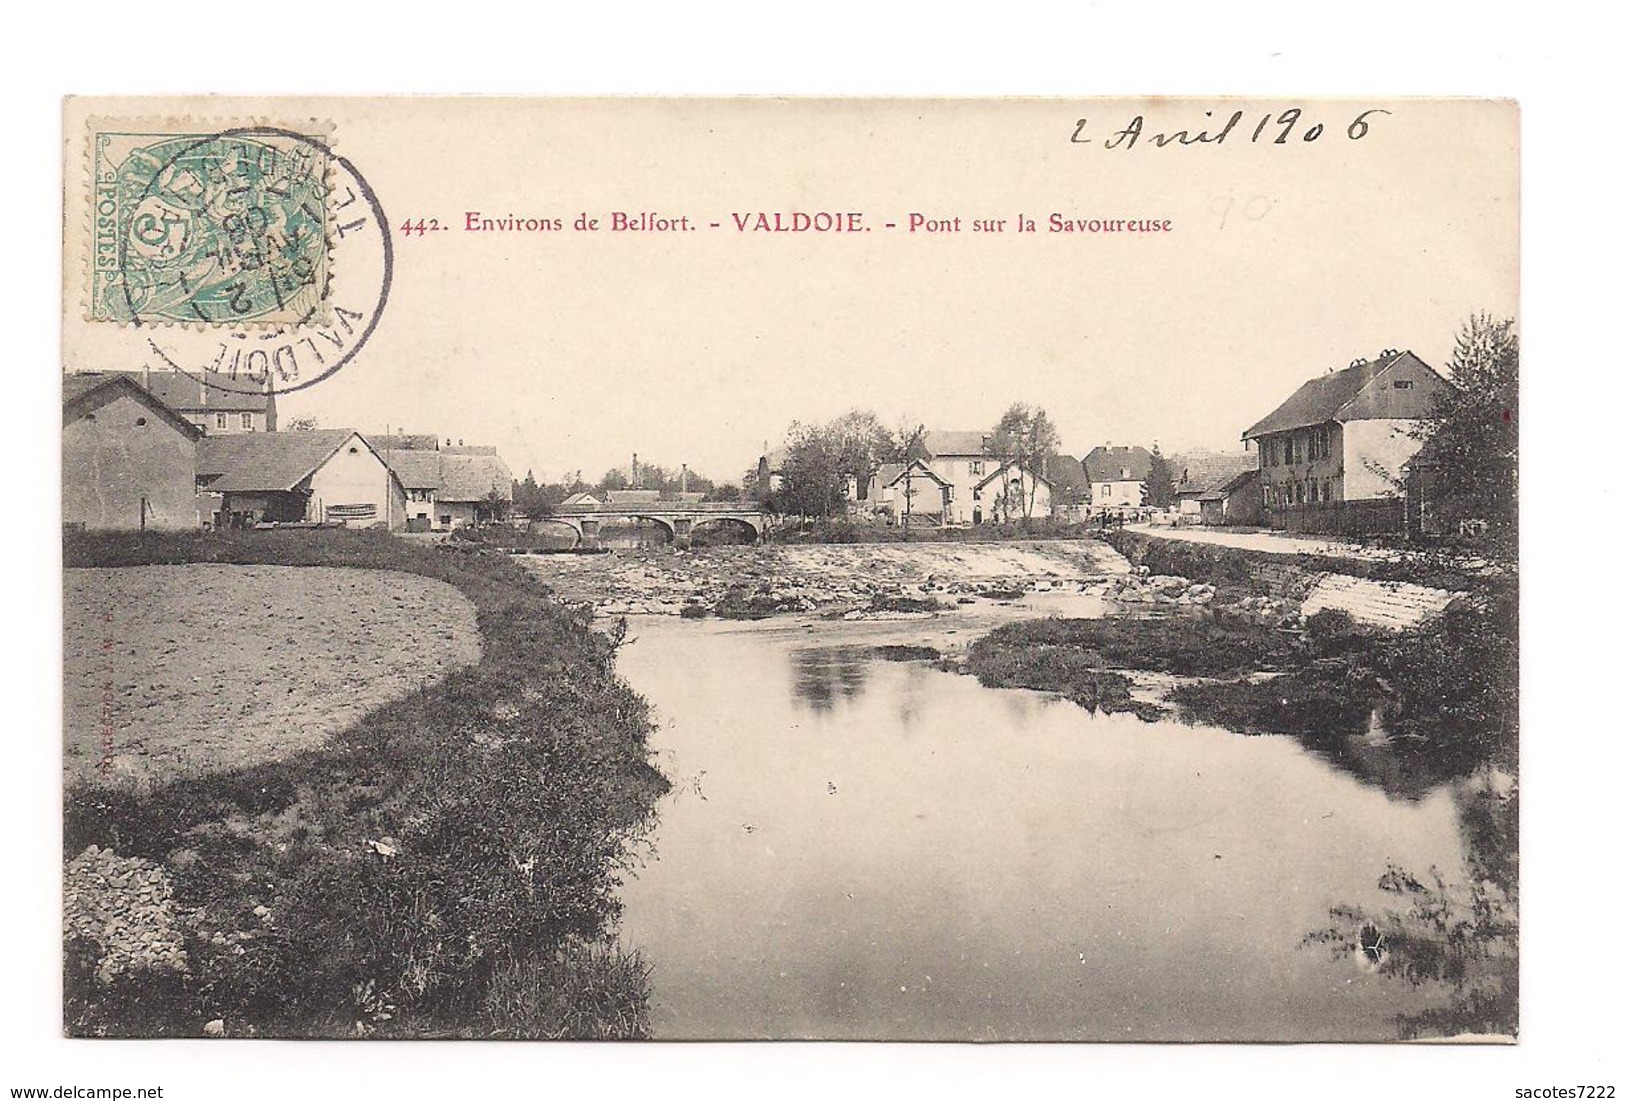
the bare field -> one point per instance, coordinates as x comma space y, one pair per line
171, 670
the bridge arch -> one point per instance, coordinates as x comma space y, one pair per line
746, 522
671, 528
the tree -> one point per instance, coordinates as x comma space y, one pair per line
1068, 483
861, 443
1159, 483
493, 506
813, 478
1025, 439
301, 424
820, 461
909, 442
528, 497
1472, 435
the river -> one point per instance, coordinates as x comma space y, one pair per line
862, 848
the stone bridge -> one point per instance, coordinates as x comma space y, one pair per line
679, 518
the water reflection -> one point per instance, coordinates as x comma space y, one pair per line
885, 850
825, 674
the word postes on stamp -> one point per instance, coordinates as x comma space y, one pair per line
212, 228
254, 257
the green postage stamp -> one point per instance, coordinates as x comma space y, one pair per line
223, 227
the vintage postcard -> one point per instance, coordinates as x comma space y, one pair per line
849, 569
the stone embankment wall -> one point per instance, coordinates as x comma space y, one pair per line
1391, 604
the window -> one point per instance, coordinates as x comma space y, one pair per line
976, 466
1286, 448
220, 420
1106, 491
1403, 384
141, 422
248, 421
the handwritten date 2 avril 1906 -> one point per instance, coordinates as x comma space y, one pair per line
1285, 128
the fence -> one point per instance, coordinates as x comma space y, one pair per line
1379, 516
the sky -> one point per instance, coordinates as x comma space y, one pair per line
572, 350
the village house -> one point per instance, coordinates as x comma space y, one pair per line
957, 481
420, 476
960, 460
214, 402
912, 489
451, 487
317, 476
128, 460
1216, 487
1117, 478
1239, 499
1331, 456
1011, 493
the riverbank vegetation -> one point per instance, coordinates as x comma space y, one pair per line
446, 866
1410, 711
1086, 660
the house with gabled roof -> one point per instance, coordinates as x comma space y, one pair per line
1345, 436
215, 402
453, 487
319, 476
1211, 487
960, 459
911, 489
1009, 493
128, 460
1117, 477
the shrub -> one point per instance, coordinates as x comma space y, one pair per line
1331, 632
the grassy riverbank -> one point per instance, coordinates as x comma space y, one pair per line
1086, 660
446, 866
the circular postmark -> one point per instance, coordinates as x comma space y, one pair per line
256, 258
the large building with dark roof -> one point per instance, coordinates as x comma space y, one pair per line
1346, 435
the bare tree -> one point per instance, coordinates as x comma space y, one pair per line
910, 445
1024, 438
